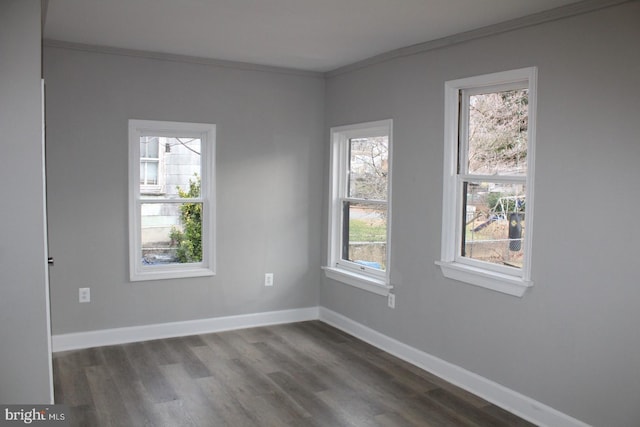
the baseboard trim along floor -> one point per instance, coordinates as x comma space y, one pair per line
79, 340
510, 400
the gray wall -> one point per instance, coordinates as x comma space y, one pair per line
24, 352
269, 182
572, 342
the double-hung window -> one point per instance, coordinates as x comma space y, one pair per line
360, 208
488, 180
171, 199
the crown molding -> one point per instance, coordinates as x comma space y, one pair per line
161, 56
562, 12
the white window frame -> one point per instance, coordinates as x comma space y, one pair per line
508, 280
361, 276
207, 134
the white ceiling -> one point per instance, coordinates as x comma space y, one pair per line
315, 35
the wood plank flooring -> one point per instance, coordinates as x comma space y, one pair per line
300, 374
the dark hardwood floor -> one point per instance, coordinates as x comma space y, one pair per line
301, 374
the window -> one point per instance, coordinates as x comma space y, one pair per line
149, 160
488, 180
171, 199
360, 209
150, 165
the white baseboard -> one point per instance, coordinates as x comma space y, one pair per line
104, 337
510, 400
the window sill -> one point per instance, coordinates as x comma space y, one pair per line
151, 190
170, 273
510, 285
377, 286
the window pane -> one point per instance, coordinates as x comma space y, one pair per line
148, 173
368, 168
149, 147
152, 173
171, 233
493, 218
364, 239
152, 148
498, 133
178, 171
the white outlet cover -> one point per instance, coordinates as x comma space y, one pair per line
268, 279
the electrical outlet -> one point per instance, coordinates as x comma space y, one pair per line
268, 279
84, 295
391, 300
